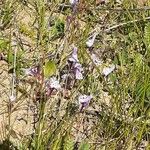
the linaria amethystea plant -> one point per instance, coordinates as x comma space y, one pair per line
107, 70
84, 101
51, 84
77, 67
74, 55
91, 40
73, 2
64, 76
33, 71
78, 71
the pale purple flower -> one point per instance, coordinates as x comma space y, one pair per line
64, 76
78, 71
53, 83
107, 70
84, 100
96, 60
77, 67
91, 40
74, 55
78, 75
34, 71
73, 2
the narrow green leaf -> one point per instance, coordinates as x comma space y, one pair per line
10, 57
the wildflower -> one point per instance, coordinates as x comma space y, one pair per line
74, 55
12, 98
73, 2
64, 76
107, 70
52, 84
77, 67
96, 60
78, 71
84, 101
90, 41
34, 71
78, 75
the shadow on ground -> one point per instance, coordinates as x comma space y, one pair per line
7, 145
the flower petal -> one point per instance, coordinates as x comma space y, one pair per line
33, 71
53, 83
78, 75
84, 100
107, 70
78, 71
73, 2
78, 66
74, 55
12, 98
90, 41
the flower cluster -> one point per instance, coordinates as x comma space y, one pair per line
49, 84
52, 83
84, 100
106, 70
77, 67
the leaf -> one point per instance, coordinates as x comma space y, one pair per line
49, 68
147, 34
10, 57
3, 45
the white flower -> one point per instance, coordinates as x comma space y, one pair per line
12, 98
74, 55
27, 71
107, 70
90, 41
96, 60
53, 83
84, 100
34, 71
73, 2
78, 71
77, 67
78, 75
64, 76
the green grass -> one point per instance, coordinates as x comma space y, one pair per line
118, 116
